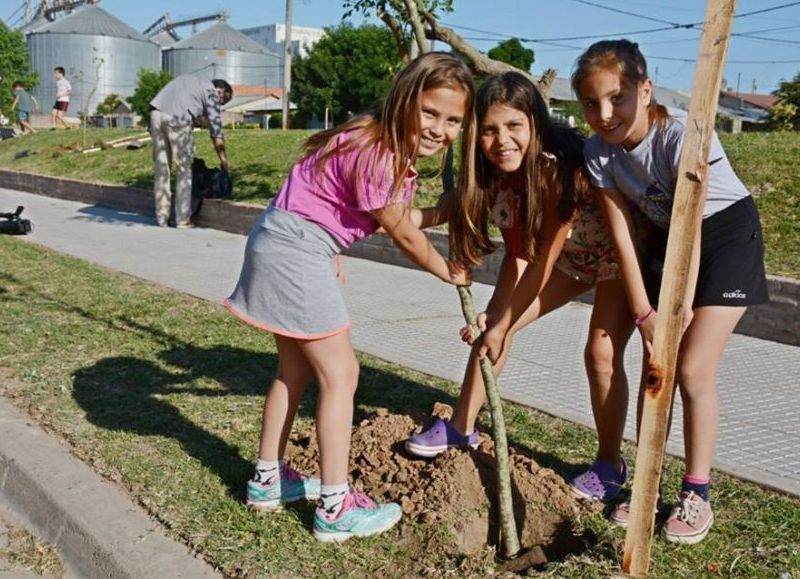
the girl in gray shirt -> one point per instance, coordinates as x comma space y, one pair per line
633, 160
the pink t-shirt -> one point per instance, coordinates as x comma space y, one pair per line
328, 199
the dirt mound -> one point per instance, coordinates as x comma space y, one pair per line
456, 489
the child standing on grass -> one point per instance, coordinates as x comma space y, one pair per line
633, 158
25, 104
63, 92
529, 179
351, 180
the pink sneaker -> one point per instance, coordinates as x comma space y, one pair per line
622, 512
689, 521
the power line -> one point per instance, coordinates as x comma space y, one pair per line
649, 57
780, 40
792, 27
563, 38
763, 10
618, 11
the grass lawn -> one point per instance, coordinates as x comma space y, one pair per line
162, 394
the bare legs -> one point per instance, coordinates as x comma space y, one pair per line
701, 352
559, 289
609, 332
332, 361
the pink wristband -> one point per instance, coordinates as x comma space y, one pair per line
638, 321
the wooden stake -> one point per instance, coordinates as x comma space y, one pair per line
687, 213
509, 540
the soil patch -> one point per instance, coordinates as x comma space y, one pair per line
457, 488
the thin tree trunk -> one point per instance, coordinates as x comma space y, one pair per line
509, 540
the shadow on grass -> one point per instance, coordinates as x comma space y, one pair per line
143, 397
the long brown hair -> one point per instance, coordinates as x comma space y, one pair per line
552, 172
395, 124
623, 57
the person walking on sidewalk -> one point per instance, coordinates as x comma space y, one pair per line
63, 92
530, 181
633, 158
184, 102
351, 180
25, 104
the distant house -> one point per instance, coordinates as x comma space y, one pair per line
752, 105
121, 117
254, 105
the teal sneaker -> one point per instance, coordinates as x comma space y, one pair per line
360, 516
288, 487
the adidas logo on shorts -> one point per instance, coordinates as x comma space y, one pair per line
735, 294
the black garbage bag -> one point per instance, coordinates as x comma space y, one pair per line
206, 184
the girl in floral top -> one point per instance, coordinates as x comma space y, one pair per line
528, 178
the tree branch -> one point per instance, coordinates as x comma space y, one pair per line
416, 24
397, 31
482, 64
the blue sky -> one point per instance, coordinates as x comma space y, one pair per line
670, 53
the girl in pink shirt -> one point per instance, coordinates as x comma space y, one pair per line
350, 181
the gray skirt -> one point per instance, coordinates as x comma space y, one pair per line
288, 282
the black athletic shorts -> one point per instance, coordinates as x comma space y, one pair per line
731, 259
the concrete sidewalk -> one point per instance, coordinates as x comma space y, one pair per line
408, 317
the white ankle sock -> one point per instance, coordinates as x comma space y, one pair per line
266, 469
331, 498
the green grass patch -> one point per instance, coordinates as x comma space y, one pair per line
768, 164
162, 393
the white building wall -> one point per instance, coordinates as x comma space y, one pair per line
273, 37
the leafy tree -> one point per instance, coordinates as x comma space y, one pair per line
13, 65
512, 52
110, 103
785, 114
147, 87
348, 70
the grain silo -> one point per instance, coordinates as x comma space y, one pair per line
100, 54
222, 52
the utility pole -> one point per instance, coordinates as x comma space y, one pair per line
287, 65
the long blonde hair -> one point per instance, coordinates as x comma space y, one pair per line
395, 125
552, 172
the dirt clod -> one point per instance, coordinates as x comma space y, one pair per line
456, 489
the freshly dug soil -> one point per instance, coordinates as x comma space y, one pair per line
456, 489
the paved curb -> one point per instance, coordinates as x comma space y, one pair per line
92, 524
778, 321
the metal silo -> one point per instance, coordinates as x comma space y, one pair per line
222, 52
100, 54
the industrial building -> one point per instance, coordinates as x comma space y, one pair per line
223, 52
101, 55
273, 37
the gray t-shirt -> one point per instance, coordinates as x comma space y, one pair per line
647, 174
189, 97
